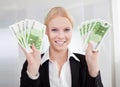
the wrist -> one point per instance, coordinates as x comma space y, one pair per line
31, 76
93, 72
33, 70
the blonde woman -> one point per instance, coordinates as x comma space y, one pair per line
58, 66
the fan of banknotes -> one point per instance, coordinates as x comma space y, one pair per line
28, 32
93, 31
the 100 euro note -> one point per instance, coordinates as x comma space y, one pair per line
97, 33
85, 29
17, 32
29, 32
82, 33
35, 34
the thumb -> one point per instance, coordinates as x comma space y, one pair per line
33, 48
90, 46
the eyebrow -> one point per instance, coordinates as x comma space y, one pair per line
64, 28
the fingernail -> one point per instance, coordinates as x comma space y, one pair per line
95, 50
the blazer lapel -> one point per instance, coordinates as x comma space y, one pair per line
75, 72
45, 74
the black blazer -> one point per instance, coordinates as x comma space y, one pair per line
79, 72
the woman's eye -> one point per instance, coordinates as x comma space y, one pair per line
54, 30
66, 30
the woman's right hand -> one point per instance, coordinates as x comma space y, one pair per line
33, 60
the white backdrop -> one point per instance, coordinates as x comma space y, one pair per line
116, 32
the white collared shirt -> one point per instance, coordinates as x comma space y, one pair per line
56, 80
64, 79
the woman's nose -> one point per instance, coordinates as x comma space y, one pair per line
61, 35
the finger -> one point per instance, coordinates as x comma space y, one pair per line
90, 47
95, 51
22, 49
34, 48
26, 54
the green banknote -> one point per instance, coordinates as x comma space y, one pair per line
93, 31
29, 32
35, 33
36, 37
98, 31
18, 34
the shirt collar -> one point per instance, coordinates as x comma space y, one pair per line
47, 57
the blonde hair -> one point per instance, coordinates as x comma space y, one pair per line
58, 11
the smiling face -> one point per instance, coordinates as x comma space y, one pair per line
59, 32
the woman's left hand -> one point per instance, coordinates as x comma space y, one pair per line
92, 59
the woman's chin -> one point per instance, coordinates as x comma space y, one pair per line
60, 48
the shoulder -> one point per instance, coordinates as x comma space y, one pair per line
81, 57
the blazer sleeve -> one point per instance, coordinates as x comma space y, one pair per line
25, 81
87, 80
94, 81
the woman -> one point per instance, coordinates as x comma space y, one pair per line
58, 66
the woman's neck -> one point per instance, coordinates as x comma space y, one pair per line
58, 55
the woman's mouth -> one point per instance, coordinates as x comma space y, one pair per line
60, 43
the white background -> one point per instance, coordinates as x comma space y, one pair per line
11, 57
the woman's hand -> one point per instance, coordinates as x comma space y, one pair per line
92, 58
33, 60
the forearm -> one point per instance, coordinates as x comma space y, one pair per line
25, 80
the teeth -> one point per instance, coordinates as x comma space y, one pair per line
60, 42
